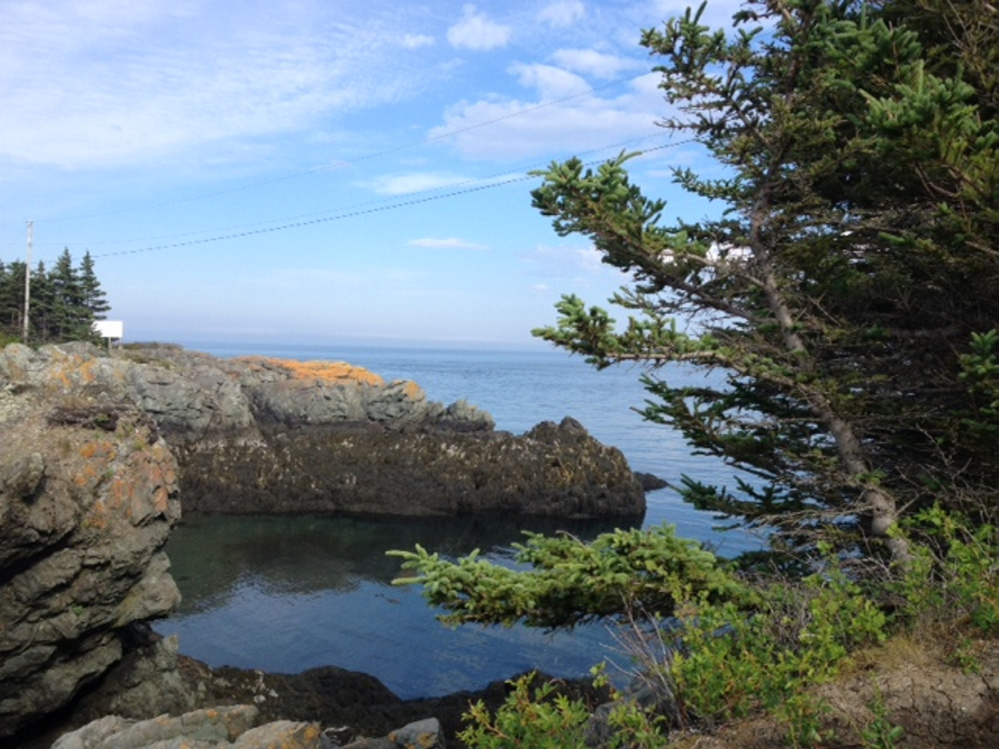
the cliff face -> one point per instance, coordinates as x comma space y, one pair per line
88, 496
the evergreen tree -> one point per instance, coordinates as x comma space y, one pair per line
855, 256
70, 319
64, 302
94, 298
42, 307
847, 293
12, 297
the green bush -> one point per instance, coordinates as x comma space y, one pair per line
528, 719
729, 666
954, 572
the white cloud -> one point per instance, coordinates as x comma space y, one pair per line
415, 41
475, 31
405, 184
450, 243
578, 263
562, 13
522, 129
591, 62
110, 83
550, 82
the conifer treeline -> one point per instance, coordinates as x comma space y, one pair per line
64, 302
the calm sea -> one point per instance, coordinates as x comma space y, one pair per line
287, 594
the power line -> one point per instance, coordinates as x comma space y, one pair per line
477, 180
311, 222
349, 214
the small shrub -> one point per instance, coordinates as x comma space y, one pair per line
730, 666
528, 719
954, 574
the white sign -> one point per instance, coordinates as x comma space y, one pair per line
110, 328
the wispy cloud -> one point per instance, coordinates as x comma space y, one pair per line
562, 13
415, 41
550, 82
404, 184
599, 64
450, 243
530, 128
477, 32
110, 83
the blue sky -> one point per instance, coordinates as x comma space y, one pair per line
321, 171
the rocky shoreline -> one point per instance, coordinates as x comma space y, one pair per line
98, 453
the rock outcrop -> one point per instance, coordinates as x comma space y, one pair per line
88, 495
258, 435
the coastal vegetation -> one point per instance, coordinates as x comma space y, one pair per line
64, 300
845, 292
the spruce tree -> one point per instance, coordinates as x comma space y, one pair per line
12, 297
853, 262
70, 319
42, 309
846, 293
93, 296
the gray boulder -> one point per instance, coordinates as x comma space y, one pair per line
234, 727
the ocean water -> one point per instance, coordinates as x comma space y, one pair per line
287, 594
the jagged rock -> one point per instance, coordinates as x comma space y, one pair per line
253, 434
220, 728
554, 470
650, 482
208, 727
83, 515
145, 681
423, 734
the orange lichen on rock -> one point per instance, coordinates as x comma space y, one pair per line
101, 449
143, 489
413, 391
326, 371
70, 372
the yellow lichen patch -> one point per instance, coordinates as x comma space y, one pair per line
413, 391
321, 370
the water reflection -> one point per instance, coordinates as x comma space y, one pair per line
288, 593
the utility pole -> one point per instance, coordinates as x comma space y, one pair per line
27, 282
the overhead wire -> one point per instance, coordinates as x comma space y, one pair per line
470, 181
347, 214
